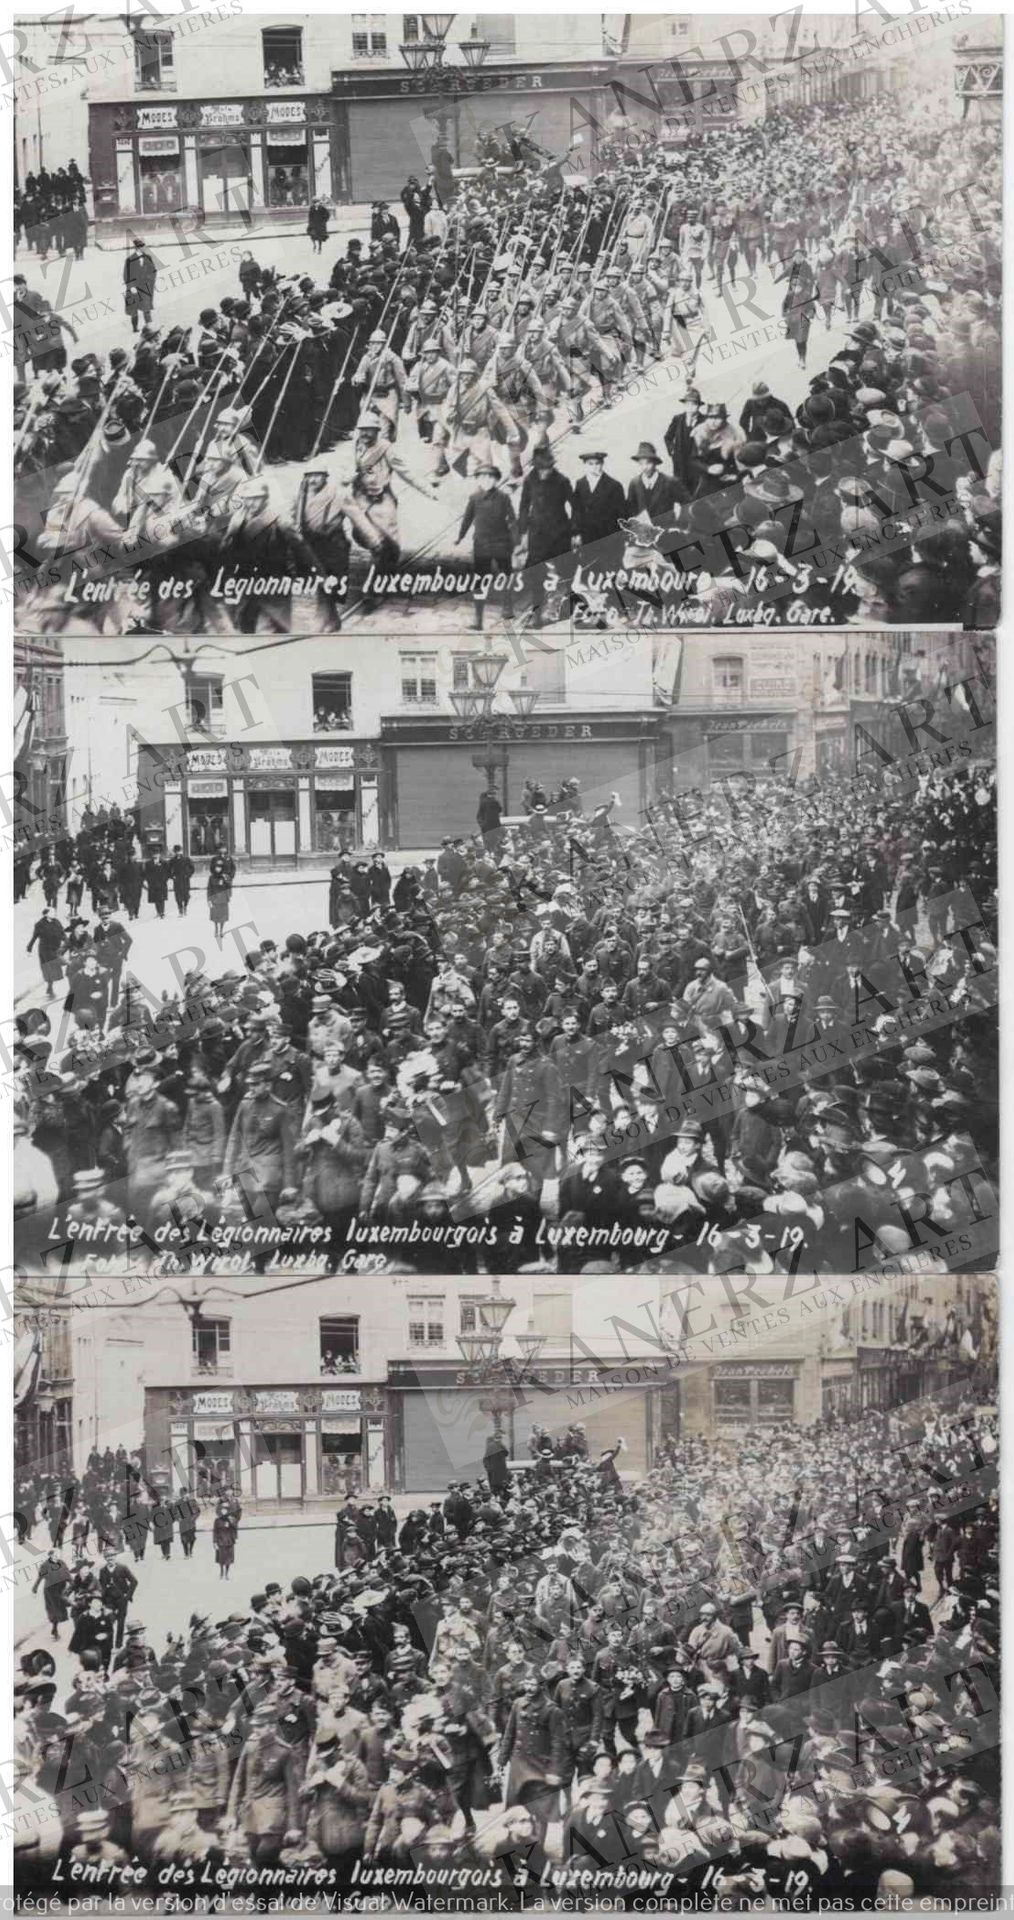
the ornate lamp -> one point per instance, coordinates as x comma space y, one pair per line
474, 52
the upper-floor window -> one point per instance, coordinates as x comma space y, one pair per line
411, 30
212, 1345
500, 30
419, 679
332, 702
339, 1343
369, 36
727, 676
154, 62
205, 702
425, 1320
283, 56
469, 1310
552, 1314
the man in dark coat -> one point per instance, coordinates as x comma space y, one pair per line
599, 505
534, 1752
494, 1465
117, 1587
653, 495
181, 872
545, 523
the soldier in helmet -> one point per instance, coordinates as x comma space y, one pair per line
372, 491
431, 382
477, 418
262, 543
382, 373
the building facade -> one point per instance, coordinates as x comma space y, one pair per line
44, 1439
231, 116
40, 771
780, 705
296, 1393
351, 742
298, 1396
894, 1341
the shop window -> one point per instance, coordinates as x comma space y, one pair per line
499, 29
334, 815
154, 62
341, 1458
283, 56
419, 679
339, 1344
207, 818
776, 1402
726, 752
425, 1320
732, 1403
332, 702
728, 680
768, 748
212, 1345
160, 173
369, 36
205, 703
286, 181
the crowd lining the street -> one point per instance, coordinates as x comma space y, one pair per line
560, 1043
750, 1673
156, 483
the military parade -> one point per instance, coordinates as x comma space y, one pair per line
418, 413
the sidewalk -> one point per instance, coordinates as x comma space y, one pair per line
189, 225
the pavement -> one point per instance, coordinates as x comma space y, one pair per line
265, 905
746, 344
270, 1545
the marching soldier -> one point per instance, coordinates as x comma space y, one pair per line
476, 417
430, 383
382, 373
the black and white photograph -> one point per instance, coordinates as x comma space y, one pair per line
619, 954
688, 1603
507, 322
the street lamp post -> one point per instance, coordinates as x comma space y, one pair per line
428, 54
482, 1352
494, 727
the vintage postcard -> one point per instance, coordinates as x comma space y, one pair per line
578, 322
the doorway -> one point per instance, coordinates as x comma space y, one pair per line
226, 186
278, 1465
273, 822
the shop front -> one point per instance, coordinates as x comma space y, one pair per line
838, 1389
278, 1446
224, 157
393, 124
441, 1419
434, 769
716, 746
283, 805
878, 1373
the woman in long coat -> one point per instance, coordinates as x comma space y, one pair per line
798, 304
223, 1533
219, 895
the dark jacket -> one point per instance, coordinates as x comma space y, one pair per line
598, 510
